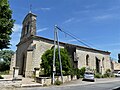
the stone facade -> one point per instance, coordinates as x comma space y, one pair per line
12, 64
31, 48
98, 61
116, 66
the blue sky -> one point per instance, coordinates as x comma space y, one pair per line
97, 22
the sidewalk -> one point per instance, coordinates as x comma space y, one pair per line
26, 82
80, 82
29, 82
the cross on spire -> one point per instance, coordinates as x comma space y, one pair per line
30, 8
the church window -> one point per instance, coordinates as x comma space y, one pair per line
87, 60
28, 27
103, 62
25, 30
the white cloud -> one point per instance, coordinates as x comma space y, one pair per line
68, 20
43, 9
17, 27
106, 17
90, 6
103, 17
42, 29
114, 8
15, 36
82, 11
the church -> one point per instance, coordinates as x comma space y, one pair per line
31, 48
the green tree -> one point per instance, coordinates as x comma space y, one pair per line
47, 61
6, 24
5, 58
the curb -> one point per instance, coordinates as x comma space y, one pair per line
91, 83
31, 85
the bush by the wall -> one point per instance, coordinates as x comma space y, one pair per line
98, 75
57, 82
82, 71
1, 77
47, 62
79, 72
108, 73
4, 72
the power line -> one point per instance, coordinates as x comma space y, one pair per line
73, 36
83, 41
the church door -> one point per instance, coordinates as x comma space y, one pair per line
23, 65
97, 65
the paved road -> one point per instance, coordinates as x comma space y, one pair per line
92, 86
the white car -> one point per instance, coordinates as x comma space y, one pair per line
89, 76
117, 74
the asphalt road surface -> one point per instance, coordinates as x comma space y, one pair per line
95, 86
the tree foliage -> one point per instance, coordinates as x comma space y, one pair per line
5, 58
6, 24
79, 72
47, 61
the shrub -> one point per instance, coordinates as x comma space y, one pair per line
82, 71
98, 75
44, 85
4, 72
112, 75
57, 82
47, 62
78, 72
1, 77
107, 73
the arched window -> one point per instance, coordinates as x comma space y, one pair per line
28, 27
103, 62
87, 60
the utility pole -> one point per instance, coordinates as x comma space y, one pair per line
53, 77
59, 55
56, 39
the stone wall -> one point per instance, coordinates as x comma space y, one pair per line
41, 47
116, 65
34, 57
12, 64
21, 55
29, 60
4, 83
104, 64
47, 80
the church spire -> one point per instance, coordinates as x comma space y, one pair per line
28, 26
30, 11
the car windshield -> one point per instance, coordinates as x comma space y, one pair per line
88, 73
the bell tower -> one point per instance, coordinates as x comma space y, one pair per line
28, 26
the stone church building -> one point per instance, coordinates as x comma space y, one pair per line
31, 48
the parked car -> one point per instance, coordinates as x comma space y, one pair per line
89, 76
117, 74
